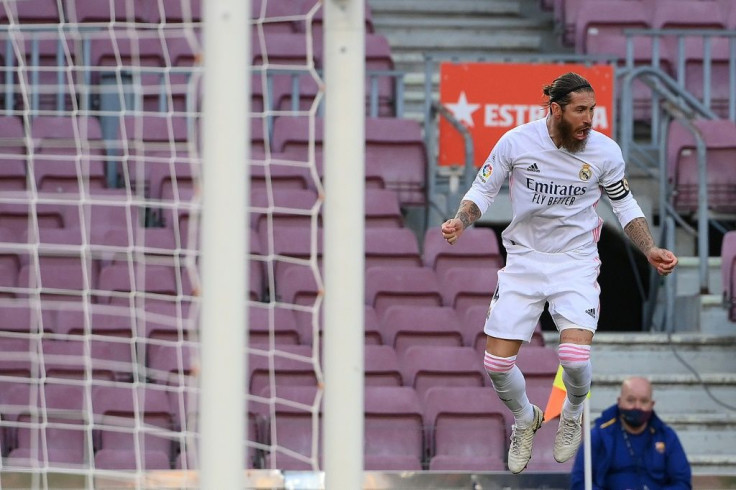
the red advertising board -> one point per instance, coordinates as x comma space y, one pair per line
491, 98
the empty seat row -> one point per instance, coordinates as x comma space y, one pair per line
446, 428
272, 15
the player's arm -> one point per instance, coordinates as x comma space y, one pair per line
635, 227
467, 214
661, 259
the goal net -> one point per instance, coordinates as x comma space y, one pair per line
100, 179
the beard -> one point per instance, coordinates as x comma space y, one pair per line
567, 137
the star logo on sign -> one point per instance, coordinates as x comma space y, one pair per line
463, 111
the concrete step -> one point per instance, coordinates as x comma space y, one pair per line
443, 8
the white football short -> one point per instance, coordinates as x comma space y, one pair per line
568, 281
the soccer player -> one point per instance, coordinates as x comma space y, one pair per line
557, 167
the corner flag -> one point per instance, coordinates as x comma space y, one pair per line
556, 397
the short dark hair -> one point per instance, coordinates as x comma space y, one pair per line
559, 91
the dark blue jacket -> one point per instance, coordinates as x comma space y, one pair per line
666, 468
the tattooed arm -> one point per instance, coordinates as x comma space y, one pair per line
466, 215
661, 259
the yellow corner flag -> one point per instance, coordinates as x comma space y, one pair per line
556, 397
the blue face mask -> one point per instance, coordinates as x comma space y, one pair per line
635, 417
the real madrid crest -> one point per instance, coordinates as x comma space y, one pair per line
585, 173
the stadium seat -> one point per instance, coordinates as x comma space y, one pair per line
382, 366
466, 429
465, 287
382, 209
298, 284
391, 247
388, 286
292, 428
427, 366
607, 19
394, 435
267, 323
291, 365
720, 141
119, 413
407, 325
175, 11
275, 17
278, 171
68, 359
298, 207
59, 442
170, 364
287, 50
478, 249
92, 11
38, 12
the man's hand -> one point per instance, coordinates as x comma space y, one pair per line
452, 229
662, 259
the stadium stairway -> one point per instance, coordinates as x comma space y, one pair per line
483, 27
694, 380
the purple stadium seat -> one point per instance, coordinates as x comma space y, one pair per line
266, 321
404, 326
720, 140
719, 71
119, 410
466, 429
282, 50
59, 442
395, 153
82, 11
394, 436
58, 142
478, 248
18, 317
292, 428
426, 366
391, 247
291, 365
382, 366
606, 18
465, 287
278, 171
59, 278
165, 320
293, 207
128, 459
110, 359
412, 286
41, 11
399, 147
170, 364
19, 218
297, 284
121, 283
64, 438
275, 17
382, 209
728, 273
176, 11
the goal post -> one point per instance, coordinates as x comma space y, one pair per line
344, 241
224, 268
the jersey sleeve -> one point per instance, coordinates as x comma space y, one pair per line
491, 176
614, 183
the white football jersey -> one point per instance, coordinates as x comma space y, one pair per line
553, 192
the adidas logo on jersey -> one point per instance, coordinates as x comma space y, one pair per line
533, 168
591, 312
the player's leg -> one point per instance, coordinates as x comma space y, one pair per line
513, 315
574, 308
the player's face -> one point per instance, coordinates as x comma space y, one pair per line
576, 121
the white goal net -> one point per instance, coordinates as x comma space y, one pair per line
100, 173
